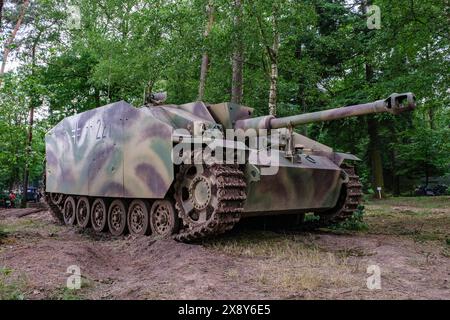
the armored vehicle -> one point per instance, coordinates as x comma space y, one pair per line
158, 169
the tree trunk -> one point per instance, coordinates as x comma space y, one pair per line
1, 14
431, 117
205, 57
372, 127
273, 54
30, 127
237, 89
430, 108
374, 148
13, 168
397, 188
11, 38
97, 98
301, 91
395, 176
273, 89
375, 156
27, 157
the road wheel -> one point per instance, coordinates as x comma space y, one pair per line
69, 211
138, 217
163, 219
83, 212
99, 215
117, 218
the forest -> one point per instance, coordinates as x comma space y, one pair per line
281, 57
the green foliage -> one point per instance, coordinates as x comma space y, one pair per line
426, 153
126, 48
355, 223
10, 289
65, 294
311, 218
14, 114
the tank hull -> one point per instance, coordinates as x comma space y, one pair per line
113, 168
113, 151
295, 188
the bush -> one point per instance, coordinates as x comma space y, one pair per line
355, 223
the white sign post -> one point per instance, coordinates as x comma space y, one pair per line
379, 192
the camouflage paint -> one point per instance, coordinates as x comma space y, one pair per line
198, 109
308, 182
395, 104
121, 151
112, 151
227, 114
177, 116
263, 122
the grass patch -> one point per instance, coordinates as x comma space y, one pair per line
291, 279
416, 202
353, 252
422, 219
64, 293
446, 252
11, 288
23, 225
261, 244
446, 249
3, 234
289, 263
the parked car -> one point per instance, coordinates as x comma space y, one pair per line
437, 190
33, 194
440, 190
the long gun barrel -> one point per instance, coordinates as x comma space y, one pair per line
395, 104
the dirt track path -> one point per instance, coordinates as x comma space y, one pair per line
241, 265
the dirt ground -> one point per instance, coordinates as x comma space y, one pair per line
407, 238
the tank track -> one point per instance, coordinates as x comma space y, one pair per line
348, 202
231, 198
55, 210
232, 194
